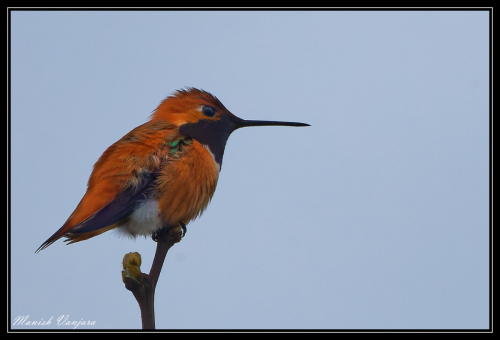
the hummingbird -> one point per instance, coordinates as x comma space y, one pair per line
161, 174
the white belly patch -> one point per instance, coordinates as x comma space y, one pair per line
144, 220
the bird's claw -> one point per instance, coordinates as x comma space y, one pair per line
156, 234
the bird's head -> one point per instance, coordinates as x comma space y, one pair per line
189, 106
201, 116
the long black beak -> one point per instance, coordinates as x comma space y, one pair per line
239, 123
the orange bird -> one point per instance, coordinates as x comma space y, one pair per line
159, 175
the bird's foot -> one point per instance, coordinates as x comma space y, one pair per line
157, 234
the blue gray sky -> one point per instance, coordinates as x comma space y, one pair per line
375, 217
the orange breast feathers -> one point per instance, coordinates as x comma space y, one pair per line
153, 167
187, 184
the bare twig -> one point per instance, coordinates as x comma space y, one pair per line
143, 285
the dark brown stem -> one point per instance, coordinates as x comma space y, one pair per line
144, 288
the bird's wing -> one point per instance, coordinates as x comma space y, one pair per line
122, 177
107, 218
121, 207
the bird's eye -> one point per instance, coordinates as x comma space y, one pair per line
208, 111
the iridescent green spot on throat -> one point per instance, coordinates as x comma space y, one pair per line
177, 145
174, 143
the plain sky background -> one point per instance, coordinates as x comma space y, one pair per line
375, 217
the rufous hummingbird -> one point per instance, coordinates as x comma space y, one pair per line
161, 174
